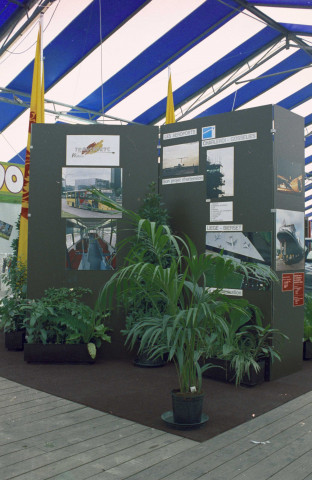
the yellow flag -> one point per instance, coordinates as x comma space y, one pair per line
36, 116
170, 117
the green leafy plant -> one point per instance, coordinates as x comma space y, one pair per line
153, 208
307, 325
61, 317
12, 313
16, 276
245, 342
152, 245
186, 318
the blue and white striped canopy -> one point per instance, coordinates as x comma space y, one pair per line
107, 61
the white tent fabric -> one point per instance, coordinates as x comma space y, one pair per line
111, 57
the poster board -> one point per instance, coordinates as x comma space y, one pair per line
249, 164
59, 243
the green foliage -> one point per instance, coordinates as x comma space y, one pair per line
245, 341
92, 350
230, 273
61, 317
16, 276
184, 319
12, 313
307, 326
150, 242
153, 208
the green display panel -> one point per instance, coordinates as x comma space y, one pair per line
73, 238
225, 180
232, 182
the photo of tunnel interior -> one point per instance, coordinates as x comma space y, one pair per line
90, 244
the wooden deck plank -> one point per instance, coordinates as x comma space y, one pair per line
299, 469
224, 449
279, 461
232, 444
13, 434
65, 436
62, 460
30, 415
21, 397
142, 462
31, 403
57, 439
80, 432
247, 460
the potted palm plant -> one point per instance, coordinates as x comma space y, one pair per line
61, 328
186, 317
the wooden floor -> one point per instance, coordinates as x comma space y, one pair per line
46, 437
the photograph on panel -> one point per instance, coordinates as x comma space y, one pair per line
289, 176
78, 197
289, 240
220, 173
182, 159
93, 150
249, 250
5, 230
90, 244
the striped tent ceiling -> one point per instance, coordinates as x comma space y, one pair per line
106, 61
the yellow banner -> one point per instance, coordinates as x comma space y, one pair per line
170, 117
36, 116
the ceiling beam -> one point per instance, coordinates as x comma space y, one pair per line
16, 100
277, 26
28, 22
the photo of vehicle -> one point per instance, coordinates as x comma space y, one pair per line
80, 189
85, 200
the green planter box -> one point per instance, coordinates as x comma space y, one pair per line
223, 372
307, 350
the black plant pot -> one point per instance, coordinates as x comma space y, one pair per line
57, 353
142, 360
255, 378
220, 370
14, 340
307, 350
187, 408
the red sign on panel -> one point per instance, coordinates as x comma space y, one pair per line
287, 282
298, 289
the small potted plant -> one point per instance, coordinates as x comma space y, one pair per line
61, 328
246, 348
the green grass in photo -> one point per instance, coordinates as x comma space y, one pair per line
6, 197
